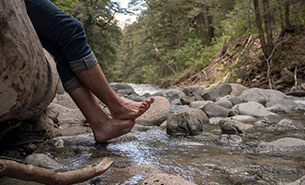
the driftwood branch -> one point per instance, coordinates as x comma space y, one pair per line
49, 177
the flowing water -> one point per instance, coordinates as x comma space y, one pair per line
202, 159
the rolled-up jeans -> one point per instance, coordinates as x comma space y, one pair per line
64, 37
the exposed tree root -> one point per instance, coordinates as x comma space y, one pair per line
32, 173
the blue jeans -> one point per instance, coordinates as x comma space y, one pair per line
64, 37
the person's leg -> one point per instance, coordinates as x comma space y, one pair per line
103, 127
54, 24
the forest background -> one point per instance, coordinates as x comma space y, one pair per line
181, 42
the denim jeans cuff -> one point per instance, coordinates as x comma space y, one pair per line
83, 63
72, 84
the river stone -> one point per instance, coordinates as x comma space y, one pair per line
212, 93
225, 104
244, 118
233, 127
198, 104
186, 100
215, 120
237, 89
122, 88
279, 108
194, 91
268, 97
188, 121
231, 140
43, 161
237, 100
86, 140
284, 146
253, 109
170, 94
165, 179
300, 181
65, 100
156, 114
213, 110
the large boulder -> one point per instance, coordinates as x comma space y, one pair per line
28, 78
237, 89
217, 91
188, 121
156, 114
253, 109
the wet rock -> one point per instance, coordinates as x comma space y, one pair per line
300, 181
231, 140
283, 146
170, 94
213, 110
156, 114
233, 127
244, 118
279, 109
198, 104
165, 179
187, 121
85, 140
43, 161
225, 104
237, 89
217, 91
252, 109
194, 91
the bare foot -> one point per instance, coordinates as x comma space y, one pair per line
130, 109
111, 129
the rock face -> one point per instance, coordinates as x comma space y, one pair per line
28, 78
188, 121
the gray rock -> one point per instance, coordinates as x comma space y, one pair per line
268, 97
156, 114
233, 127
194, 91
284, 146
300, 181
213, 110
237, 89
279, 109
176, 102
217, 91
198, 104
186, 100
121, 86
215, 120
231, 140
165, 179
60, 89
244, 118
225, 104
135, 97
170, 94
237, 100
188, 121
43, 161
252, 109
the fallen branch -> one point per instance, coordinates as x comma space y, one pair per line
49, 177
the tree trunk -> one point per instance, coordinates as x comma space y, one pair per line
260, 27
248, 18
268, 27
207, 21
286, 8
28, 80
